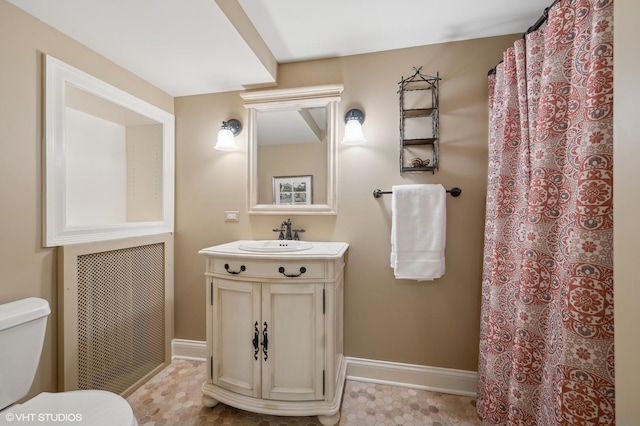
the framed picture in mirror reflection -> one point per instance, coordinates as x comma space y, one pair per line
293, 190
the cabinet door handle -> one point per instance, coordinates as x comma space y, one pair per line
242, 269
256, 339
302, 271
265, 341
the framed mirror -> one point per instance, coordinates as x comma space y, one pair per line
292, 137
109, 161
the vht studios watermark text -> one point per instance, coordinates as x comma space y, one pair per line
43, 417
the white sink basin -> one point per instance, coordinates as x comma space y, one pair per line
275, 246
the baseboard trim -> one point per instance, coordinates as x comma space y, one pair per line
435, 379
194, 350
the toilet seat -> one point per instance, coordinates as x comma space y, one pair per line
84, 407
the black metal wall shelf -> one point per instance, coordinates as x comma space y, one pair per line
419, 143
418, 112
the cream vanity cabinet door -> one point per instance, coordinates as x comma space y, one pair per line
294, 326
267, 339
236, 326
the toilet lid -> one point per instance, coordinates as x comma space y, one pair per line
85, 407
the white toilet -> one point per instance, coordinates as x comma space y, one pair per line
22, 330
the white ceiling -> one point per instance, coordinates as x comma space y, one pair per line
188, 47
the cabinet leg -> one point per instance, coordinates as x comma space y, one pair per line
207, 401
329, 420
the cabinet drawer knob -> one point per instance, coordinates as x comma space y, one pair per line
242, 269
302, 271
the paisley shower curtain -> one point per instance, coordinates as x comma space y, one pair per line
546, 338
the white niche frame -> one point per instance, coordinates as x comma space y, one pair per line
56, 231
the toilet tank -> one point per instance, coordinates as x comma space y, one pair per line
22, 329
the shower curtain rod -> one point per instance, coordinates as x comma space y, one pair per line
534, 27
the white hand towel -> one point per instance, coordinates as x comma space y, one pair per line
418, 227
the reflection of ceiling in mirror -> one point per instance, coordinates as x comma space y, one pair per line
80, 100
305, 125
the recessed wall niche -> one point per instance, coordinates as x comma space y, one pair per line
109, 161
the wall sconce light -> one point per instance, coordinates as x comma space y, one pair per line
353, 128
227, 132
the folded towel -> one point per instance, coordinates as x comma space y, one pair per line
418, 223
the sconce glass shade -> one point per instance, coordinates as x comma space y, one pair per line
353, 127
225, 141
226, 134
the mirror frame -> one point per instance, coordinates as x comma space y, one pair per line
304, 97
56, 232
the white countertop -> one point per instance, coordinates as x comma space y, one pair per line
320, 250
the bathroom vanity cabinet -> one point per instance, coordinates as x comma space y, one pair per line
275, 329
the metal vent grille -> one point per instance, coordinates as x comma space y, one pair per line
120, 316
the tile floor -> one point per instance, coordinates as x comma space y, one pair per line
172, 397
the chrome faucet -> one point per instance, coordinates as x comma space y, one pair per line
286, 233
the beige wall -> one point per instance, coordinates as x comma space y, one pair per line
627, 206
428, 323
26, 268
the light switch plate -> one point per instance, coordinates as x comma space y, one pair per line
231, 216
